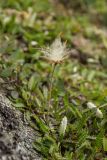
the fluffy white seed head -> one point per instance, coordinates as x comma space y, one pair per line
90, 105
63, 126
56, 52
99, 113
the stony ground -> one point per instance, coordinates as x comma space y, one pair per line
16, 137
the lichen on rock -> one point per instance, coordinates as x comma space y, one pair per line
16, 137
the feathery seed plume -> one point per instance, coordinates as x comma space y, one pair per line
98, 112
56, 52
63, 126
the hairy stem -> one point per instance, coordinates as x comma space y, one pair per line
51, 84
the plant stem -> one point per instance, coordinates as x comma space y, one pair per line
51, 84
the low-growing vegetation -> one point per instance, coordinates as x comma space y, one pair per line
65, 103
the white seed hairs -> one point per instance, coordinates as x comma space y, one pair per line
56, 52
99, 114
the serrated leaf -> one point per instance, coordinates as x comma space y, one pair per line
82, 138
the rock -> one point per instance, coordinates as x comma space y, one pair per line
16, 137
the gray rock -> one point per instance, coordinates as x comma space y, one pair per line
16, 137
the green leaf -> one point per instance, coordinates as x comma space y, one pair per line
25, 94
6, 73
46, 146
32, 82
105, 143
41, 125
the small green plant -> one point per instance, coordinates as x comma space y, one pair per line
55, 54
